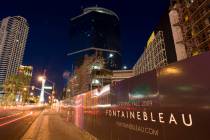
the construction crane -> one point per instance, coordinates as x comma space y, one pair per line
93, 48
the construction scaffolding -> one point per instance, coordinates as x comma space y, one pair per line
92, 73
194, 21
153, 57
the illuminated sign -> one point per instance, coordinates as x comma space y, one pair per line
152, 117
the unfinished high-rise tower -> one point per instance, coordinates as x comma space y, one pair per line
190, 21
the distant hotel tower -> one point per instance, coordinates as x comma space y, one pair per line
182, 33
13, 35
160, 49
99, 28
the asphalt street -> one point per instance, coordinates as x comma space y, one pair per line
15, 122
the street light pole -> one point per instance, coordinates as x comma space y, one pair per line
43, 79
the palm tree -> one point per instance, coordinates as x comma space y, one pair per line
17, 85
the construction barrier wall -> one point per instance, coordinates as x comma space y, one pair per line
168, 103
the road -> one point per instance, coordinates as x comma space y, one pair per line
14, 122
37, 123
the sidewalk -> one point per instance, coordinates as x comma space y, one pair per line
49, 126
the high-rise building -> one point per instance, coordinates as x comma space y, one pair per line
97, 27
13, 36
182, 33
160, 50
190, 21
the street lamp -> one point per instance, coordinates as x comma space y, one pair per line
25, 89
41, 78
31, 94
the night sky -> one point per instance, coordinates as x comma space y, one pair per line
49, 21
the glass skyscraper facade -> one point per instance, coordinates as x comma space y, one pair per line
97, 27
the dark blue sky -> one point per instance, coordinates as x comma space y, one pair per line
49, 21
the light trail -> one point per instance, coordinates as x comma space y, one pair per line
10, 116
9, 122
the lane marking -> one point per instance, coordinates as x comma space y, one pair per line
9, 122
10, 116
